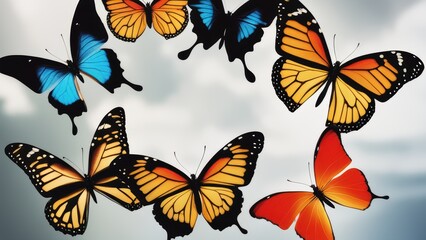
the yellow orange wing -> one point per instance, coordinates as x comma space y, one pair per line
169, 17
109, 142
67, 211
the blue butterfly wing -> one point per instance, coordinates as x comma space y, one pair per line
245, 29
209, 20
87, 36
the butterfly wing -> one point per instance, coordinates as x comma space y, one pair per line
156, 182
41, 75
87, 36
169, 17
282, 208
209, 20
232, 167
245, 29
67, 211
126, 18
305, 63
351, 188
110, 141
363, 79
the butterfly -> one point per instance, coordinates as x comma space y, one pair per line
102, 65
306, 65
179, 199
127, 19
239, 31
69, 191
348, 188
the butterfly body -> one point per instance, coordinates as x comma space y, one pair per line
238, 30
102, 65
69, 191
334, 184
178, 199
305, 66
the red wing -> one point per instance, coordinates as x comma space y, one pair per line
313, 222
281, 208
381, 74
330, 157
350, 189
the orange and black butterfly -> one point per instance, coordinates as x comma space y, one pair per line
179, 199
306, 65
128, 19
348, 188
69, 191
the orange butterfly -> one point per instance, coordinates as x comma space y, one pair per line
306, 66
349, 189
127, 19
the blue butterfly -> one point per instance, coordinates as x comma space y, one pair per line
239, 31
87, 36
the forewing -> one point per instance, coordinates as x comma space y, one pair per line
126, 18
49, 174
330, 157
169, 17
382, 74
234, 164
110, 141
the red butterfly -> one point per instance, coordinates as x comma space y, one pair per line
349, 189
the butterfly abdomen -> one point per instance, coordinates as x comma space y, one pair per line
89, 186
333, 72
73, 68
195, 185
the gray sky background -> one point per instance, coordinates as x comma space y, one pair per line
206, 100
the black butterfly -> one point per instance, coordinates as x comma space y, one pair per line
239, 31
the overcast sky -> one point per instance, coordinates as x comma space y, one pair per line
206, 100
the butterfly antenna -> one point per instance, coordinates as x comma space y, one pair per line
309, 171
174, 153
357, 46
65, 45
53, 55
334, 47
82, 160
201, 160
304, 184
72, 163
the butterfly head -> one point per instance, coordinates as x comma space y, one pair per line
74, 70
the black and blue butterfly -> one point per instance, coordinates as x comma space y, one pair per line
40, 75
239, 31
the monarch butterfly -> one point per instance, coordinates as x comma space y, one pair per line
179, 199
306, 65
69, 191
239, 31
349, 189
40, 75
127, 19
